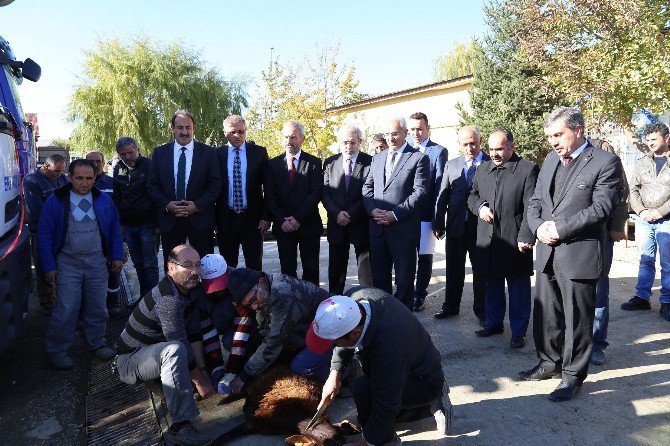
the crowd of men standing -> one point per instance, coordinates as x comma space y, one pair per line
392, 207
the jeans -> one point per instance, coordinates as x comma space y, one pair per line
311, 365
652, 237
602, 315
142, 244
169, 362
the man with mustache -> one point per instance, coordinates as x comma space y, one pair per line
293, 184
500, 193
184, 183
155, 344
576, 193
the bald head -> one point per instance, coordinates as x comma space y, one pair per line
184, 267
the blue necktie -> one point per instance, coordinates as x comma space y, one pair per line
237, 182
347, 174
181, 175
470, 174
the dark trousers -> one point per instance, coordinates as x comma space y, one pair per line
388, 254
142, 244
241, 231
338, 259
457, 247
418, 391
424, 271
201, 241
46, 292
518, 289
563, 323
309, 245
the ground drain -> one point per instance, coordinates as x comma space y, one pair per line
116, 413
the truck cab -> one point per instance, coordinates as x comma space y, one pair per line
17, 158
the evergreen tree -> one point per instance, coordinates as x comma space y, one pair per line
502, 93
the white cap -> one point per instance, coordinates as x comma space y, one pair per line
335, 317
214, 273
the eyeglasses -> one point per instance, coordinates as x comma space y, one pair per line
191, 266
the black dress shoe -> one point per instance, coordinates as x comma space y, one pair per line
419, 306
519, 342
538, 373
482, 323
565, 392
488, 331
445, 314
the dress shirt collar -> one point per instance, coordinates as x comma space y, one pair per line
477, 160
189, 147
422, 145
296, 157
579, 150
231, 148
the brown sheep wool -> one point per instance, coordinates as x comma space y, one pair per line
279, 402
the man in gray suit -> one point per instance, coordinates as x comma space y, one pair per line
577, 191
461, 224
437, 156
393, 195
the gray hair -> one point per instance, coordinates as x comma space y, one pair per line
234, 119
124, 141
400, 120
379, 137
297, 125
350, 128
54, 159
573, 117
474, 130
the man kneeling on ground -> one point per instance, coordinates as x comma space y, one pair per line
401, 366
284, 306
155, 344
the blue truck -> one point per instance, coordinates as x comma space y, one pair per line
17, 158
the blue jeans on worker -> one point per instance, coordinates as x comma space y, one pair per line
650, 238
602, 314
142, 244
312, 365
519, 303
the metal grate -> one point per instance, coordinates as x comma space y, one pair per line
12, 208
116, 413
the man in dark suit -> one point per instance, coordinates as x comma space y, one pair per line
577, 191
343, 178
500, 193
461, 224
437, 156
184, 182
293, 184
393, 194
240, 210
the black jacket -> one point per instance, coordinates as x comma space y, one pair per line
130, 194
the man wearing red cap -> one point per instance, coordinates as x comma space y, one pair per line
224, 324
401, 367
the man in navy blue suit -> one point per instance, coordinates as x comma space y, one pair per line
184, 183
393, 193
437, 156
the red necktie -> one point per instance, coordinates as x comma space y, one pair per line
291, 170
566, 160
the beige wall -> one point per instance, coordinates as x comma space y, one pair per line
439, 105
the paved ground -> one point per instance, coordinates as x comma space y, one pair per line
624, 402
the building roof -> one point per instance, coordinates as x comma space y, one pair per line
450, 83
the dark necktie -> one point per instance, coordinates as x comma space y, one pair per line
291, 170
470, 174
181, 175
347, 173
237, 182
390, 168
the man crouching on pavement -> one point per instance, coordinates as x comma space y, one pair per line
401, 366
155, 344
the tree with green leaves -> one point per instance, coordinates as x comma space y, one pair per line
460, 61
502, 93
611, 57
133, 89
302, 93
